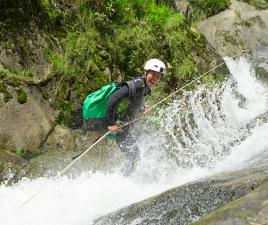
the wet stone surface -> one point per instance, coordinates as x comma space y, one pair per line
190, 202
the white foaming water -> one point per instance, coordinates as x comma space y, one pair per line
200, 134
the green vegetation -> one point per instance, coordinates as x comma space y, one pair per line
206, 8
116, 34
26, 154
52, 12
3, 86
121, 35
91, 36
241, 21
3, 89
20, 152
10, 79
259, 4
21, 96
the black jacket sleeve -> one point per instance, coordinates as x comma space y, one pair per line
114, 100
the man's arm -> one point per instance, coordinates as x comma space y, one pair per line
114, 100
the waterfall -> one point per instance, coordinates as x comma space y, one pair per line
203, 132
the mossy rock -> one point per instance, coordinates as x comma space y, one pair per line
25, 121
12, 167
3, 89
262, 74
259, 4
104, 157
21, 96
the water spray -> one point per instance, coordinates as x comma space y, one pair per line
78, 157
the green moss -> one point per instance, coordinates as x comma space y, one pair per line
20, 152
27, 154
3, 89
228, 37
36, 151
26, 73
45, 94
64, 116
21, 96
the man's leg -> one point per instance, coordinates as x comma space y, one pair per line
127, 145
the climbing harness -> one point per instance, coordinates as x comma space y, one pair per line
78, 157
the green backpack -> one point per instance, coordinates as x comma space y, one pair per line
95, 104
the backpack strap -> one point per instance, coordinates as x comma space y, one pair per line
134, 85
131, 87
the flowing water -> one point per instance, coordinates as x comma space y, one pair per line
199, 134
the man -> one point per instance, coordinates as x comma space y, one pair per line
124, 105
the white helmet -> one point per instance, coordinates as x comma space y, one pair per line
155, 65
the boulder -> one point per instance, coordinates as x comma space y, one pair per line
105, 156
186, 204
239, 28
25, 127
60, 139
12, 167
251, 209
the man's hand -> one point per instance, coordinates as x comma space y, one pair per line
113, 128
148, 109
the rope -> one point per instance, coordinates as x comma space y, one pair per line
182, 88
124, 125
66, 168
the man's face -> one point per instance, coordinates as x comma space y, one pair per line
152, 78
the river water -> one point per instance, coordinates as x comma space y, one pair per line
199, 134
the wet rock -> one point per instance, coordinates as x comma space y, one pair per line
61, 139
259, 59
12, 167
105, 156
262, 74
239, 28
24, 39
188, 203
25, 127
251, 209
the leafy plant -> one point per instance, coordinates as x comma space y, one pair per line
52, 12
120, 35
206, 8
157, 15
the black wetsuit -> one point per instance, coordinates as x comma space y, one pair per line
134, 92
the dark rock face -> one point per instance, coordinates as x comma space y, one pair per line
251, 209
188, 203
24, 37
181, 205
